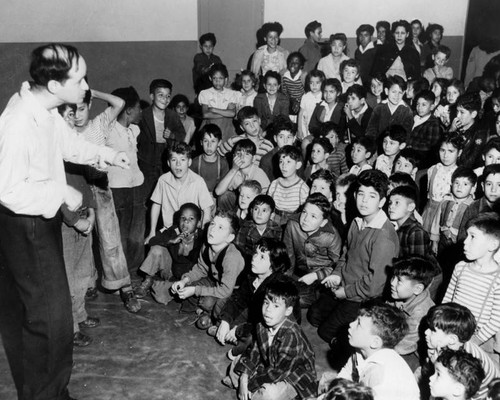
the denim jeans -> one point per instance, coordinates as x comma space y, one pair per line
35, 317
79, 262
114, 265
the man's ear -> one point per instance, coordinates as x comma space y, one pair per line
53, 86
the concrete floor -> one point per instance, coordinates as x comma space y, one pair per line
152, 355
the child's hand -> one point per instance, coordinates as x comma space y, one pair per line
149, 237
309, 279
455, 125
340, 293
83, 225
237, 162
243, 393
222, 331
231, 336
178, 239
348, 112
186, 292
176, 286
332, 281
435, 246
121, 160
166, 133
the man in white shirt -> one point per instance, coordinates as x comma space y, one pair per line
35, 314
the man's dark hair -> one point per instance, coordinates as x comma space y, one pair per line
311, 27
375, 179
207, 37
159, 83
52, 62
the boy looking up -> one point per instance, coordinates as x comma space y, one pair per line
160, 127
281, 361
361, 272
179, 186
393, 141
310, 49
377, 330
458, 376
413, 239
407, 161
362, 150
451, 327
289, 191
410, 280
320, 152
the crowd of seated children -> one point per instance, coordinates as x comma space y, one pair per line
331, 201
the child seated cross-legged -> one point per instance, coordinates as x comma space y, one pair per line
320, 152
450, 327
280, 364
173, 252
209, 284
458, 376
243, 310
313, 245
410, 280
393, 141
258, 226
363, 149
476, 284
361, 272
379, 327
289, 191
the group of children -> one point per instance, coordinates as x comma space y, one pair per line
362, 190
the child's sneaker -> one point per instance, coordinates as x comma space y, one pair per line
142, 290
204, 321
212, 331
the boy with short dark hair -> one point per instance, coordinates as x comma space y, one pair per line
310, 49
321, 148
204, 61
313, 245
413, 239
451, 326
393, 141
426, 131
378, 328
363, 148
407, 161
179, 186
458, 376
365, 52
410, 280
357, 112
281, 361
361, 272
213, 277
440, 56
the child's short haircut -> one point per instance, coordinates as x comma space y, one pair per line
334, 82
383, 24
323, 142
245, 145
234, 224
416, 268
211, 129
433, 27
464, 368
316, 73
375, 179
297, 54
453, 138
442, 49
129, 95
427, 95
290, 151
278, 253
470, 101
419, 84
178, 99
326, 175
488, 222
180, 148
356, 90
339, 36
493, 143
389, 322
159, 83
63, 107
452, 318
464, 172
311, 27
346, 180
351, 62
219, 68
189, 206
261, 199
272, 74
328, 126
491, 169
272, 27
408, 192
343, 389
247, 112
319, 200
402, 22
367, 142
365, 28
283, 288
397, 133
252, 184
402, 179
207, 37
409, 154
395, 80
281, 123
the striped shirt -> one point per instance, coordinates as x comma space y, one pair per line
480, 293
294, 89
288, 198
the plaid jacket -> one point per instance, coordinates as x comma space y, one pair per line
413, 239
248, 236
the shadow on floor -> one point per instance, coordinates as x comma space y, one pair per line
152, 355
